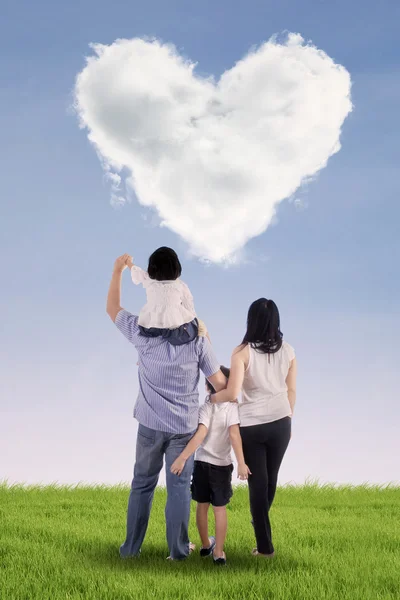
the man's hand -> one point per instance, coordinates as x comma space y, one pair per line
178, 465
121, 263
243, 471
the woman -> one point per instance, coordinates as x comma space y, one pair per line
264, 369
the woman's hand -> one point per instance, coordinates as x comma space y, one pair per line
243, 471
178, 465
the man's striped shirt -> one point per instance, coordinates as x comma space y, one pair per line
169, 375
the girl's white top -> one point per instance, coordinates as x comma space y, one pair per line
169, 303
264, 391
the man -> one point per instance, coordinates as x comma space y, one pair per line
167, 412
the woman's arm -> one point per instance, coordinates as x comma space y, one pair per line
235, 381
179, 464
236, 441
291, 383
218, 381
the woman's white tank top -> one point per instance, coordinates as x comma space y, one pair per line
264, 391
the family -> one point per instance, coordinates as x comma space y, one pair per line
195, 442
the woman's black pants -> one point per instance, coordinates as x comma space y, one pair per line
264, 447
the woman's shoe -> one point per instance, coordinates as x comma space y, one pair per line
255, 552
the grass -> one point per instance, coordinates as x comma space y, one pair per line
331, 543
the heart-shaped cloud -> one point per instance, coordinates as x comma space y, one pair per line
213, 158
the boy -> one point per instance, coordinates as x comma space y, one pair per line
217, 433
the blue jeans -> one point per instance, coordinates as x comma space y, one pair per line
151, 447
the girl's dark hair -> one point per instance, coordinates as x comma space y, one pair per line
164, 265
225, 371
263, 327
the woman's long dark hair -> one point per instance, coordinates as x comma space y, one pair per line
263, 327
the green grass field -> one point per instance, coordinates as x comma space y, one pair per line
333, 543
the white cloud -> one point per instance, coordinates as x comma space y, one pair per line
214, 158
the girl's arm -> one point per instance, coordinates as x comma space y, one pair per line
187, 298
179, 464
138, 275
235, 381
291, 383
236, 441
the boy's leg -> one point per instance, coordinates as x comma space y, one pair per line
221, 526
177, 510
202, 522
148, 464
221, 493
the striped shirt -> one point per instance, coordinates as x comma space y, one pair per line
169, 375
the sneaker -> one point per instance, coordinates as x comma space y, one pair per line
221, 561
207, 551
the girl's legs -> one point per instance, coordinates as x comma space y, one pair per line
202, 522
221, 526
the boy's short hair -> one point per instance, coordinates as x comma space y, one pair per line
225, 371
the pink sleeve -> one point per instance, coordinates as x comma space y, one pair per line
139, 276
187, 298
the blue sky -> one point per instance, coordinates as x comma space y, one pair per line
67, 377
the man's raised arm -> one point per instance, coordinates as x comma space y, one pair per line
114, 291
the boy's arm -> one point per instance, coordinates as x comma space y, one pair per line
236, 441
179, 464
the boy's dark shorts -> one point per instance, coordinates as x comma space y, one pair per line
212, 483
